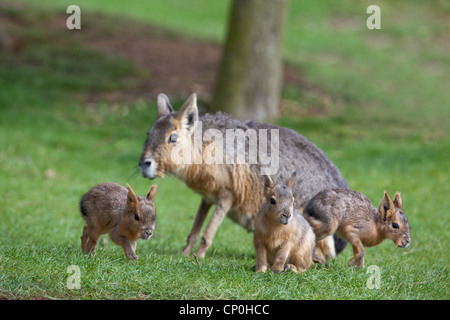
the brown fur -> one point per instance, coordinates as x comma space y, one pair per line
111, 208
282, 238
353, 217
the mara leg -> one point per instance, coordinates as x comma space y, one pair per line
324, 250
302, 258
223, 206
324, 239
291, 267
281, 258
261, 257
89, 239
358, 251
84, 238
321, 229
198, 223
129, 247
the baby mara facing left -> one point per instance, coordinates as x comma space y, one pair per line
116, 210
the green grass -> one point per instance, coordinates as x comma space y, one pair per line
382, 118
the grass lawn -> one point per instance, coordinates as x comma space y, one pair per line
376, 102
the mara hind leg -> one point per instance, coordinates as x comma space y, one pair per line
89, 239
302, 259
324, 231
84, 238
307, 259
325, 249
196, 228
300, 264
291, 267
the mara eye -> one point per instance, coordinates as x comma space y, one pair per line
273, 201
394, 225
136, 217
173, 138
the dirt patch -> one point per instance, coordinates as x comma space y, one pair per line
177, 67
171, 63
167, 62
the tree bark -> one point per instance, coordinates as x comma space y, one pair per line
250, 74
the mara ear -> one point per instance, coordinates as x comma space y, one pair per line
386, 207
292, 179
132, 200
268, 186
188, 113
163, 104
151, 194
398, 200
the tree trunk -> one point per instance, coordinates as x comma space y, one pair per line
250, 75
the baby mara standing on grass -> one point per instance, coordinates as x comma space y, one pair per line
282, 237
111, 208
353, 217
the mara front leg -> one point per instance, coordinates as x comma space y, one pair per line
198, 224
261, 257
223, 206
358, 252
130, 248
281, 258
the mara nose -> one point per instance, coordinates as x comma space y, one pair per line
147, 234
286, 215
146, 163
